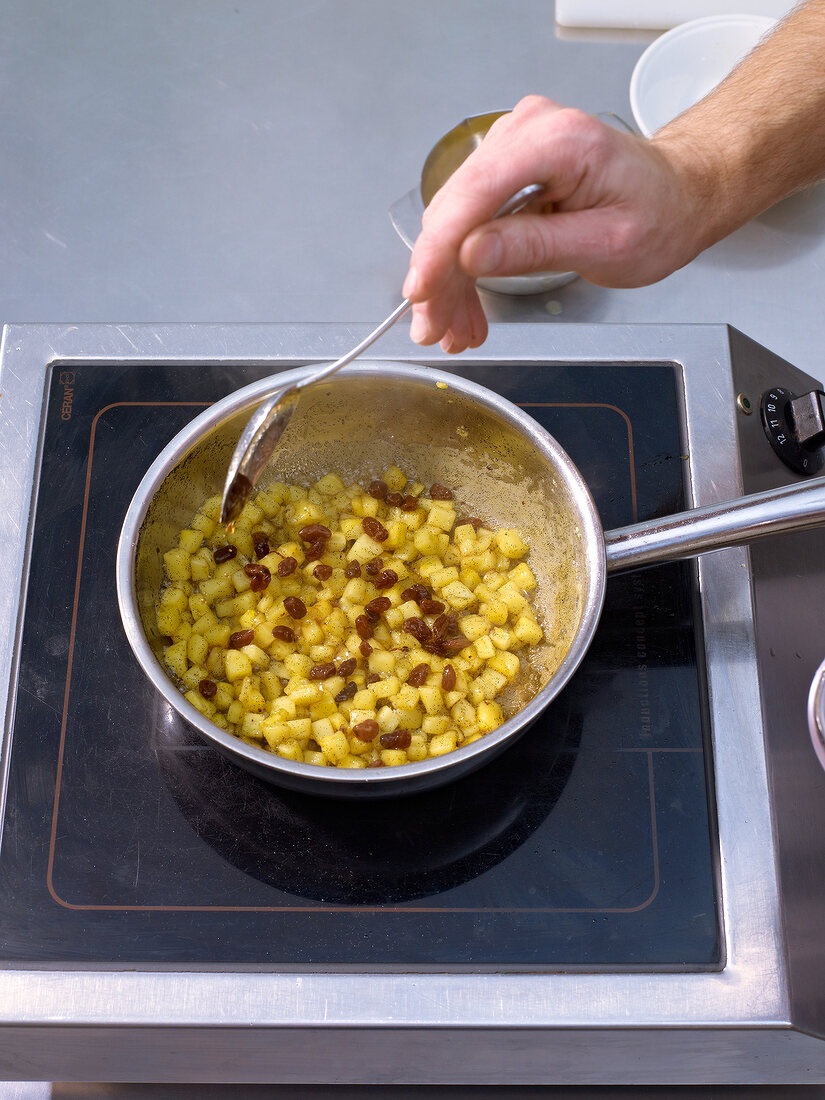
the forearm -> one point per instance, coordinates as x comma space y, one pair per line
761, 134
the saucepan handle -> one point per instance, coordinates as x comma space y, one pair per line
717, 526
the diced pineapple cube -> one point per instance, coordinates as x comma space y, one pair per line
386, 688
440, 578
490, 716
316, 758
217, 588
442, 516
434, 724
442, 743
175, 658
397, 534
501, 639
329, 485
167, 619
203, 523
234, 713
464, 714
205, 706
176, 564
417, 748
506, 663
290, 749
197, 648
527, 630
251, 726
458, 595
410, 718
430, 541
393, 758
364, 549
335, 746
190, 541
250, 696
224, 696
256, 655
201, 565
522, 576
238, 665
394, 479
381, 662
433, 698
510, 595
303, 692
474, 627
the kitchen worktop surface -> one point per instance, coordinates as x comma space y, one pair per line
234, 161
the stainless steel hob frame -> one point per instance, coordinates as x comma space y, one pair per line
760, 1018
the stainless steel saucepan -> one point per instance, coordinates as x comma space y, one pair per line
501, 464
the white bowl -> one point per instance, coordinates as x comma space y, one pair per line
687, 62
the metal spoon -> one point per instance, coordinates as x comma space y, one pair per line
268, 423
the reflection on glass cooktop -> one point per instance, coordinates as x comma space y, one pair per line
128, 840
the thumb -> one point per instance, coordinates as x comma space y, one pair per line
518, 246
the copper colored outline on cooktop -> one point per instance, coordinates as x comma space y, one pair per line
322, 908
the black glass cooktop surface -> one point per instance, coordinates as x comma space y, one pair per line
130, 841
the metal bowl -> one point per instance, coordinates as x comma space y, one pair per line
499, 461
442, 160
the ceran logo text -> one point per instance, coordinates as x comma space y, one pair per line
66, 380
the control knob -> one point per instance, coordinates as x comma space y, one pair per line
795, 426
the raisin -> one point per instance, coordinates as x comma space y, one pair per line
386, 579
366, 730
397, 739
418, 628
295, 608
431, 607
260, 543
440, 492
448, 678
346, 692
416, 593
453, 645
409, 504
363, 627
375, 529
378, 489
376, 764
322, 672
445, 625
315, 550
365, 648
419, 675
287, 566
372, 678
374, 566
283, 633
347, 667
241, 638
353, 570
322, 572
208, 688
224, 553
395, 499
379, 605
315, 532
259, 576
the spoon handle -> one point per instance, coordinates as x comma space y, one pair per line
331, 368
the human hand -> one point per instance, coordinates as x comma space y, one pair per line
615, 209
